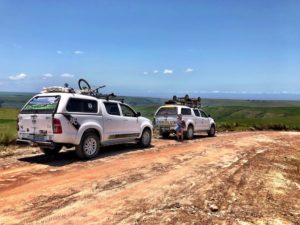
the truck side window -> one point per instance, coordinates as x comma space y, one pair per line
186, 112
82, 105
127, 111
203, 114
112, 108
196, 111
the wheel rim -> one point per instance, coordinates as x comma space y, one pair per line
190, 132
90, 146
146, 137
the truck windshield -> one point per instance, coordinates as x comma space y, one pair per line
42, 104
167, 111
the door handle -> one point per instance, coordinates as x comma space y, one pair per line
108, 119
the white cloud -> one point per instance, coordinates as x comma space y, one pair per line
21, 76
168, 71
67, 75
145, 73
59, 52
48, 75
78, 52
189, 70
155, 71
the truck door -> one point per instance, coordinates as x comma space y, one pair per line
113, 121
205, 119
131, 125
198, 119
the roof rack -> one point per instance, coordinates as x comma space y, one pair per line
84, 89
52, 89
186, 100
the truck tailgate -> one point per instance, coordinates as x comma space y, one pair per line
36, 126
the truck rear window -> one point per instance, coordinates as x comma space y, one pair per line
167, 111
42, 104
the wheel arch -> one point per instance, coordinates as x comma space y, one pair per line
213, 124
146, 126
190, 123
93, 128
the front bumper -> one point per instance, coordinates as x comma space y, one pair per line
46, 144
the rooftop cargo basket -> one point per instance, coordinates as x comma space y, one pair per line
186, 100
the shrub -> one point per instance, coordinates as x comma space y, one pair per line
7, 138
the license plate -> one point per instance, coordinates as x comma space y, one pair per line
39, 137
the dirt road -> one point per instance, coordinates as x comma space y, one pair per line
234, 178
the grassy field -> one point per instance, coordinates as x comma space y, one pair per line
229, 114
256, 118
8, 117
14, 99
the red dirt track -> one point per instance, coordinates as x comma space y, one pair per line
233, 178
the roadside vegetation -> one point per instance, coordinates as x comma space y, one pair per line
8, 122
230, 115
234, 118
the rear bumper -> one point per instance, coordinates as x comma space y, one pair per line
170, 129
46, 144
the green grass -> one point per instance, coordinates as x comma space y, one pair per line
14, 99
8, 121
147, 111
258, 118
230, 115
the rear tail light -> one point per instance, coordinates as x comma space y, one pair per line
57, 129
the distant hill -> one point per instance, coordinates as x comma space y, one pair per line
249, 103
18, 99
14, 99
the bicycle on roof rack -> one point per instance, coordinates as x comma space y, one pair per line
86, 89
186, 100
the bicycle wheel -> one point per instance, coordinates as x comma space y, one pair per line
83, 85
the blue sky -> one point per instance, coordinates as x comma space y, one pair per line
152, 48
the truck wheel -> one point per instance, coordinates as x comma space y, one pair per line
190, 132
165, 134
145, 139
51, 151
212, 131
88, 147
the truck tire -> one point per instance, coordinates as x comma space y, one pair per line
145, 139
165, 134
189, 132
51, 151
89, 146
212, 131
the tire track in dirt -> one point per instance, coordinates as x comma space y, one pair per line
161, 179
169, 184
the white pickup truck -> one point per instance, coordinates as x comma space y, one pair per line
196, 120
53, 120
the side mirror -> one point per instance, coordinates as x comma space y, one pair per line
208, 115
138, 114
